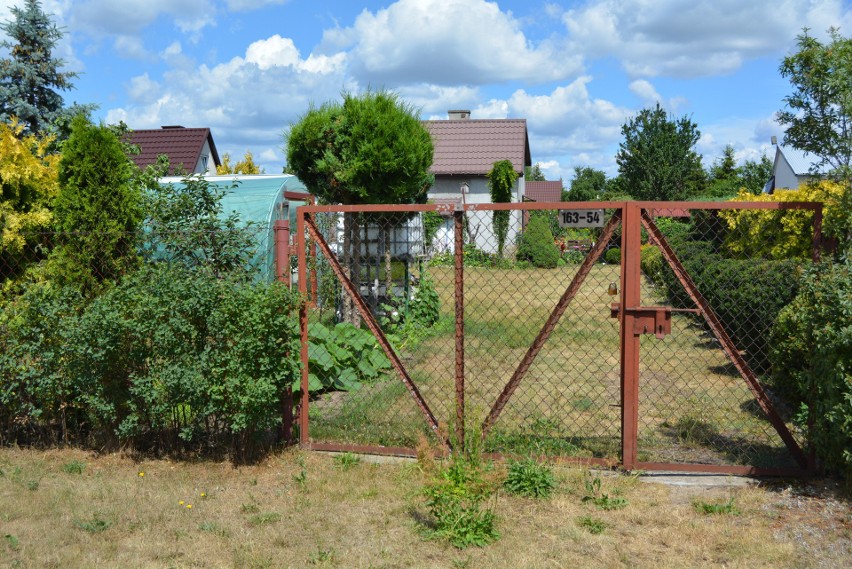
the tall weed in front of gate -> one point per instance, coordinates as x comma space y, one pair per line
461, 495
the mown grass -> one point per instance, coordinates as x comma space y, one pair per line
121, 512
573, 386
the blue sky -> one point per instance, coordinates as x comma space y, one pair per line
575, 70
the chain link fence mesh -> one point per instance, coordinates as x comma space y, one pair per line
694, 405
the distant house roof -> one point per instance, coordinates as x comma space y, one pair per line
472, 146
802, 163
182, 145
543, 191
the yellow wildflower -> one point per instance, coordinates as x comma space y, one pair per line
189, 506
181, 502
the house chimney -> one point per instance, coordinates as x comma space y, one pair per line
774, 140
459, 115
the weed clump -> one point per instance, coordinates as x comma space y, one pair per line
530, 478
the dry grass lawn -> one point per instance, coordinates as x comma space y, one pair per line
69, 508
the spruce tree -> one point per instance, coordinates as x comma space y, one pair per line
30, 78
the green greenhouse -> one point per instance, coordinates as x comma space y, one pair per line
261, 200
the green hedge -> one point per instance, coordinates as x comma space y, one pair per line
168, 357
746, 294
812, 360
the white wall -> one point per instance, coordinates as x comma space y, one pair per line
449, 187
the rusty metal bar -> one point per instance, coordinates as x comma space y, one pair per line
458, 229
282, 250
374, 327
631, 274
303, 326
727, 344
660, 207
551, 322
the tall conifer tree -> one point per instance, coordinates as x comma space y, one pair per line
31, 77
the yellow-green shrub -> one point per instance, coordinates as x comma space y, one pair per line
781, 234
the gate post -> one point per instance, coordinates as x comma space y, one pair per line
631, 241
459, 298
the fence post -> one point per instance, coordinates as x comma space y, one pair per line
631, 239
458, 232
303, 325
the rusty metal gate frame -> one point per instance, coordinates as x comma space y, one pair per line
632, 216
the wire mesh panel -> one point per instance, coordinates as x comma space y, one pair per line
547, 362
357, 398
512, 322
706, 388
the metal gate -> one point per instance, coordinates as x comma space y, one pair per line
643, 344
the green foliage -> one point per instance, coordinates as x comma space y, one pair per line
812, 360
530, 478
170, 349
819, 111
708, 508
534, 173
754, 174
28, 186
425, 307
347, 460
370, 149
74, 467
613, 256
96, 524
657, 159
432, 221
724, 180
537, 245
602, 500
186, 224
30, 78
588, 184
501, 182
342, 357
98, 210
594, 526
457, 498
820, 108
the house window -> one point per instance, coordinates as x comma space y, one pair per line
204, 163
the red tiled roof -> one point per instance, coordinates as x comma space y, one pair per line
182, 146
472, 146
543, 191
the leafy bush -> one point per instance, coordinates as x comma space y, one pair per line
457, 498
530, 478
780, 234
425, 307
812, 360
613, 256
342, 357
537, 245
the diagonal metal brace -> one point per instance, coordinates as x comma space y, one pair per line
374, 327
727, 344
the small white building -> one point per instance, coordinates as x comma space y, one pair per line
465, 151
791, 169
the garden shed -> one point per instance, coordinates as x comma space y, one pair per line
261, 200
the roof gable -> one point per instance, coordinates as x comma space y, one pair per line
472, 146
182, 145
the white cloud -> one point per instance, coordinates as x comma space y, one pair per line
684, 38
130, 17
246, 5
247, 101
446, 42
646, 92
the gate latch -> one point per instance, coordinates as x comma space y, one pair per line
656, 320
